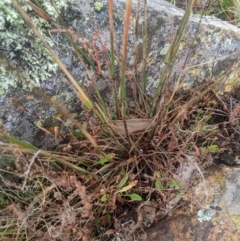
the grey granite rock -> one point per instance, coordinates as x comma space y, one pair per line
214, 48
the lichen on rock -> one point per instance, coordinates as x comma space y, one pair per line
23, 58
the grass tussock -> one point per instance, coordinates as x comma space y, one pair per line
120, 159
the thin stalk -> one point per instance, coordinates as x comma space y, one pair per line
18, 142
105, 111
170, 58
116, 99
122, 88
195, 100
79, 50
135, 88
112, 60
80, 53
171, 55
110, 12
144, 56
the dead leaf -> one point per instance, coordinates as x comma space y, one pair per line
67, 148
133, 125
110, 231
197, 151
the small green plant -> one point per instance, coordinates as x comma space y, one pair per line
210, 147
174, 184
105, 197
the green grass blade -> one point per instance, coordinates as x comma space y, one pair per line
18, 142
110, 11
171, 57
122, 88
144, 57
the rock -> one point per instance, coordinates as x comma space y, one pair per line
214, 49
211, 215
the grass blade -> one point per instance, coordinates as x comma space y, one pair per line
110, 11
18, 142
122, 88
171, 57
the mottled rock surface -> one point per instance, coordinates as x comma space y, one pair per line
214, 48
205, 216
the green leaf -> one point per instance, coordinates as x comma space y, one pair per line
18, 142
158, 185
97, 220
104, 159
101, 161
129, 186
181, 195
199, 113
105, 197
158, 175
77, 133
87, 103
39, 124
108, 216
174, 184
135, 197
2, 198
213, 148
123, 182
